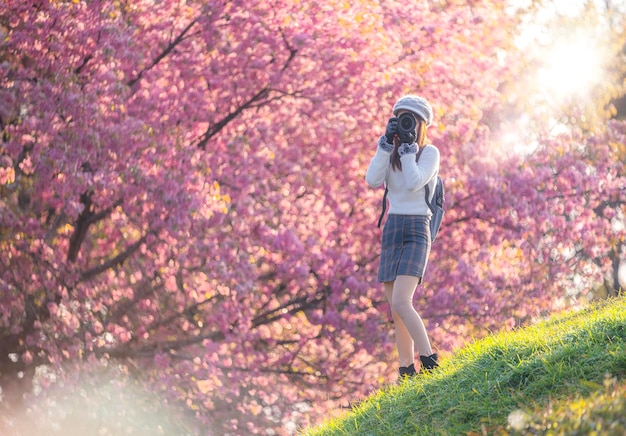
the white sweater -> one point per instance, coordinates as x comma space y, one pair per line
407, 187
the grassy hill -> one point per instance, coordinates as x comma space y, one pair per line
564, 376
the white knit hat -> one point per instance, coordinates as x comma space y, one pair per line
418, 105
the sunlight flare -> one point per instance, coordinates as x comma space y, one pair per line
571, 67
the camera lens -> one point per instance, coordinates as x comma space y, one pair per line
407, 123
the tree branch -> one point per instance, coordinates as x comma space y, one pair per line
263, 93
150, 350
212, 130
81, 227
163, 54
114, 261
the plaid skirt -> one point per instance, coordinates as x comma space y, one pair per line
405, 247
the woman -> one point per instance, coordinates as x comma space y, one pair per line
406, 235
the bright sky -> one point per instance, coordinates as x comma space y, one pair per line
571, 66
573, 57
570, 60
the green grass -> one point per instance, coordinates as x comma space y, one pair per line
564, 376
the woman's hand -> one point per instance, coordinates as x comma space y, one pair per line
392, 129
407, 137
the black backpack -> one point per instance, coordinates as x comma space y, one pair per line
436, 207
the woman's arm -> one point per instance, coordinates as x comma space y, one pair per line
418, 174
379, 165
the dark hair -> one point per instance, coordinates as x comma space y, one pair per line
396, 164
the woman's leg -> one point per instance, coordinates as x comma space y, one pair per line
404, 341
402, 306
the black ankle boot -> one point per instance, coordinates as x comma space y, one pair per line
429, 362
407, 371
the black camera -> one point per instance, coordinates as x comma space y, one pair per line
406, 123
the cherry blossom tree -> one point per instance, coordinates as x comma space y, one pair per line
184, 214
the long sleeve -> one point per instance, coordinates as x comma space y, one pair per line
418, 174
379, 165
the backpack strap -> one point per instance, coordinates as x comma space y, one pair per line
427, 189
382, 214
427, 193
419, 153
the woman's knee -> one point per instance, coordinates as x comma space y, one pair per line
400, 305
395, 315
